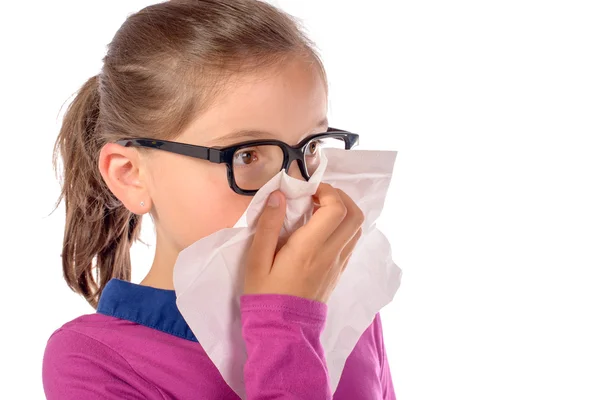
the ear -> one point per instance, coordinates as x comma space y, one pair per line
120, 167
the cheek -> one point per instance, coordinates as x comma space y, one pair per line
193, 200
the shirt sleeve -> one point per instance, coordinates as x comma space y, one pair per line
285, 357
76, 366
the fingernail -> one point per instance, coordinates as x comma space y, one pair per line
273, 200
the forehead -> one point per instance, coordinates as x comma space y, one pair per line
288, 101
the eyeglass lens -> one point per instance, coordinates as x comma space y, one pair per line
254, 166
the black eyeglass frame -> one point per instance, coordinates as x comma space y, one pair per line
225, 155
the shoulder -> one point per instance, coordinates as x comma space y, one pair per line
80, 334
371, 341
77, 361
77, 346
83, 335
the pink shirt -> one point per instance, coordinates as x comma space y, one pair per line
138, 346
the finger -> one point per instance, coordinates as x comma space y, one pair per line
349, 226
263, 247
325, 220
347, 251
335, 273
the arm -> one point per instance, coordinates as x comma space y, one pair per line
285, 356
76, 366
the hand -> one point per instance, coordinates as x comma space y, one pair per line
310, 264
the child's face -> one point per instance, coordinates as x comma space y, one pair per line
192, 197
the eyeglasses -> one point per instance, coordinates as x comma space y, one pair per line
251, 164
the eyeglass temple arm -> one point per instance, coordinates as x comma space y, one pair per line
201, 152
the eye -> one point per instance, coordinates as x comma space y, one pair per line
245, 157
313, 146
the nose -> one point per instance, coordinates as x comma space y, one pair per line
294, 170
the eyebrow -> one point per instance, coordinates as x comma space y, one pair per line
256, 134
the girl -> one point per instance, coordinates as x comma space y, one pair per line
165, 129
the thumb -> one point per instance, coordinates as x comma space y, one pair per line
268, 227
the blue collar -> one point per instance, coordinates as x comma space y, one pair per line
152, 307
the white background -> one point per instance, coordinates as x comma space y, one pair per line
493, 213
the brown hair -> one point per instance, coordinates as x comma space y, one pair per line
163, 66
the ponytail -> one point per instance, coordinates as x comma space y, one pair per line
99, 230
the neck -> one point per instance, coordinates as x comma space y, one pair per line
160, 275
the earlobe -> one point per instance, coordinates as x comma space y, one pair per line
120, 168
143, 208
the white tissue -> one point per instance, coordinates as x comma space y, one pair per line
208, 275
